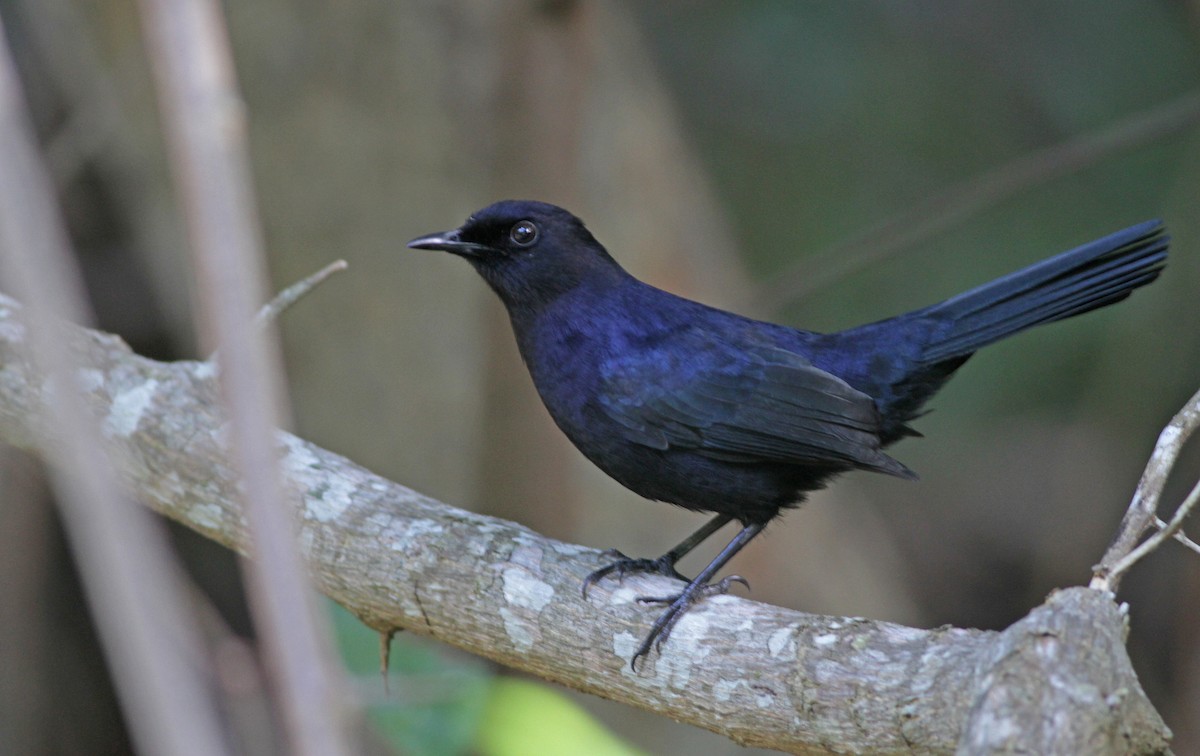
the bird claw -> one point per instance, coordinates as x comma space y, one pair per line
678, 606
623, 565
719, 588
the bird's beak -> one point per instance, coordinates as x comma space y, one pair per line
449, 241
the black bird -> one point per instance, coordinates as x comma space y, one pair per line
715, 412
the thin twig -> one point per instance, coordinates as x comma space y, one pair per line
154, 652
953, 206
1180, 536
271, 311
1143, 509
205, 127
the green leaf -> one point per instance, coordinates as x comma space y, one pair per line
525, 718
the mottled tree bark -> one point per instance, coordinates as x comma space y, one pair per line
1058, 681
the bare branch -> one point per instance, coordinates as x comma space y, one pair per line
205, 128
758, 674
1143, 510
156, 657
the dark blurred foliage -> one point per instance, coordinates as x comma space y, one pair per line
728, 151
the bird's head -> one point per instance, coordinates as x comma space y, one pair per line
529, 252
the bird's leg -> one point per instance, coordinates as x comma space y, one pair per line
664, 565
695, 591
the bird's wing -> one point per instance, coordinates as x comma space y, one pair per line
744, 405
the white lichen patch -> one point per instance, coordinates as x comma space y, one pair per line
407, 531
206, 370
1116, 698
782, 640
875, 656
408, 606
624, 646
377, 522
821, 641
683, 651
327, 502
623, 594
723, 690
522, 585
208, 516
173, 483
569, 549
89, 380
527, 554
127, 409
299, 459
900, 634
743, 627
993, 730
524, 589
826, 671
518, 629
326, 495
481, 546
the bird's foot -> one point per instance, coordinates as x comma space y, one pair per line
624, 565
677, 606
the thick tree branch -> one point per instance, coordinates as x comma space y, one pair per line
1058, 681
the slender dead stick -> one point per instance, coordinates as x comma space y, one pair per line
154, 652
205, 126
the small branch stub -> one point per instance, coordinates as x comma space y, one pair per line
292, 294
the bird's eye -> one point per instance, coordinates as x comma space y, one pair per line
523, 233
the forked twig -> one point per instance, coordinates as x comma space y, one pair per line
1142, 514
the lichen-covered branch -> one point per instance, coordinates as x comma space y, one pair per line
1058, 681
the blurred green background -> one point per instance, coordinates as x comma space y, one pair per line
820, 164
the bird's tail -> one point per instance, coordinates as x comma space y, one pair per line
1085, 278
